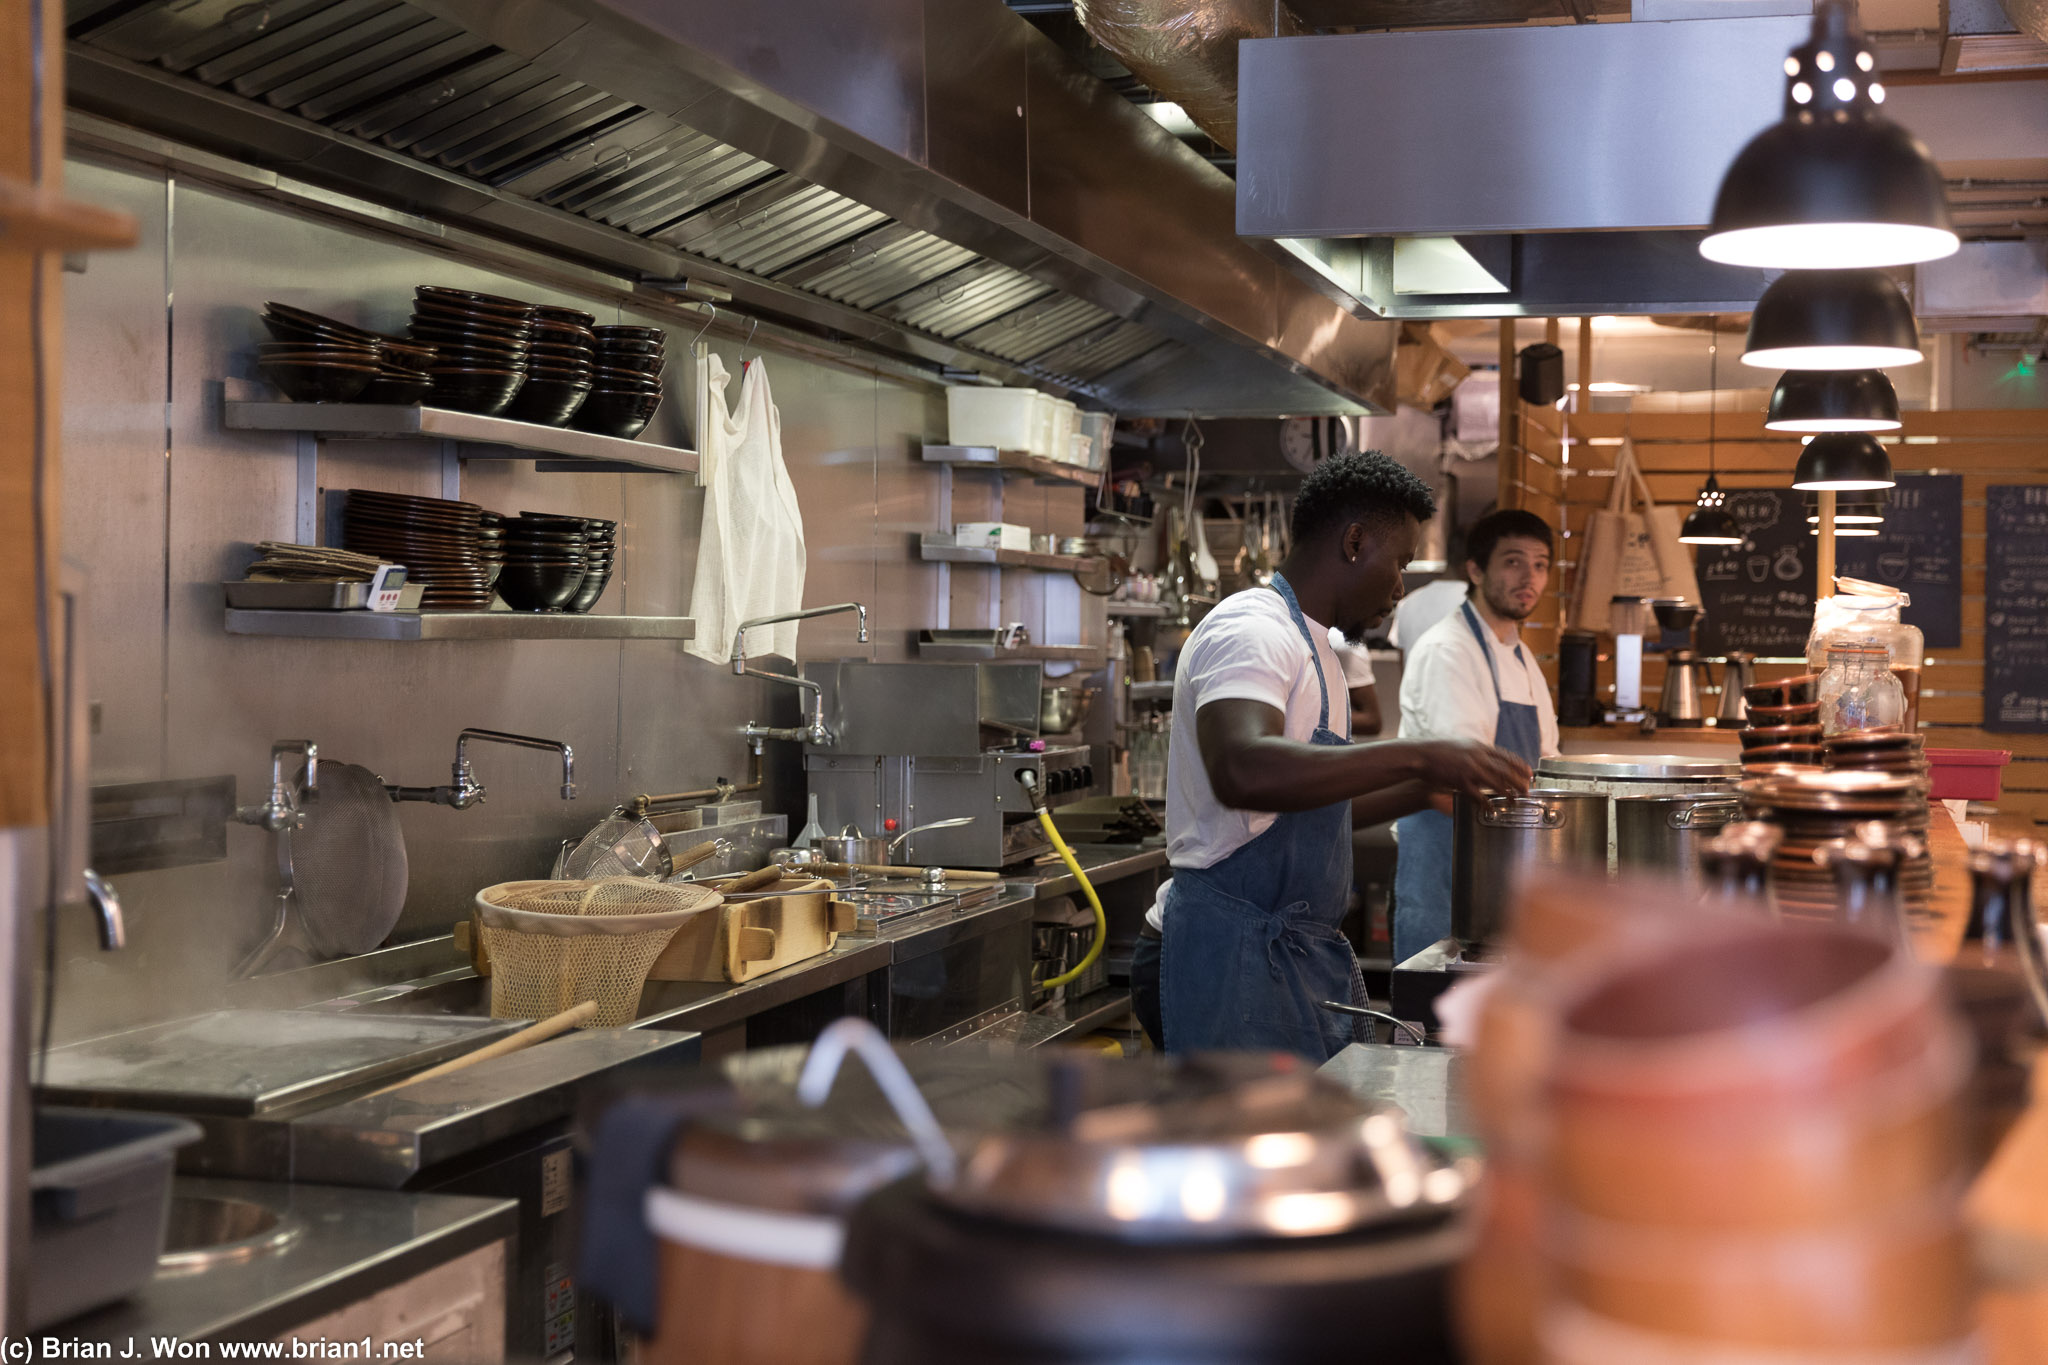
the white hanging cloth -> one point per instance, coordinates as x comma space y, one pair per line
750, 552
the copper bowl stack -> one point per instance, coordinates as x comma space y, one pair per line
398, 369
435, 538
1783, 725
1756, 1153
1884, 751
481, 344
1818, 809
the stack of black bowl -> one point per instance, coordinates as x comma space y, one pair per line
481, 344
628, 389
404, 373
600, 542
435, 538
316, 359
561, 368
490, 545
545, 563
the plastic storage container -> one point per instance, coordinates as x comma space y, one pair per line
100, 1188
1007, 419
1099, 428
1967, 774
1043, 420
1065, 422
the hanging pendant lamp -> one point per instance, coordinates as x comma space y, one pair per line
1833, 184
1832, 320
1843, 461
1710, 522
1833, 400
1851, 509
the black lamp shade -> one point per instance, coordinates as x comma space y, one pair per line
1832, 320
1843, 461
1826, 195
1710, 526
1833, 185
1833, 400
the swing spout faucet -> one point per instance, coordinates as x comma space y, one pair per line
814, 730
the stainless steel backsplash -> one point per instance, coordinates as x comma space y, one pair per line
160, 504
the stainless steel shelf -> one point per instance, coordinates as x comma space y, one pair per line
1137, 608
457, 625
1016, 462
937, 547
1049, 654
376, 421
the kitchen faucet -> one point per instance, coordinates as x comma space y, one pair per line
466, 791
281, 811
813, 731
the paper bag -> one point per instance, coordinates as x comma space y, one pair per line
1632, 550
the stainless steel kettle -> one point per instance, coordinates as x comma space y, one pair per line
1686, 678
1738, 672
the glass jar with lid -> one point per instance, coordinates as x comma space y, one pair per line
1865, 614
1859, 691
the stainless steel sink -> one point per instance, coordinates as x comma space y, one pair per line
462, 993
204, 1232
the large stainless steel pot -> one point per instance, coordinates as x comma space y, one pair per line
851, 846
1499, 839
1666, 833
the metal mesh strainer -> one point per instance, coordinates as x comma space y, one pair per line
348, 862
554, 944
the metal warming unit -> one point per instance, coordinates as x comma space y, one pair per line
917, 743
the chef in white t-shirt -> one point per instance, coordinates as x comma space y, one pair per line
1470, 677
1262, 778
1356, 661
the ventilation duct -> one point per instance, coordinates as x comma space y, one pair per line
1186, 50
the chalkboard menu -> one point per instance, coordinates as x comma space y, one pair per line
1759, 595
2016, 607
1920, 551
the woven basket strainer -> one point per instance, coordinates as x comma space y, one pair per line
555, 944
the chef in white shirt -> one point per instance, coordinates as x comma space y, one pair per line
1470, 677
1423, 608
1263, 782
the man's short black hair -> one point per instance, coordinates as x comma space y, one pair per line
1491, 529
1364, 486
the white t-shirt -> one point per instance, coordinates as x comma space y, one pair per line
1249, 648
1447, 693
1355, 659
1422, 609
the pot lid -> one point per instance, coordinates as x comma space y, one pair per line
1204, 1149
1640, 767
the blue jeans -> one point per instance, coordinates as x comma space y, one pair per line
1145, 989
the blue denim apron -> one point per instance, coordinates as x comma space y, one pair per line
1253, 943
1422, 861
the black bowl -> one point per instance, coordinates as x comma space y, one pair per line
589, 590
555, 369
627, 380
611, 412
574, 317
546, 400
538, 587
482, 391
649, 365
471, 299
580, 356
477, 358
565, 333
397, 389
285, 313
318, 381
624, 332
409, 355
298, 333
439, 330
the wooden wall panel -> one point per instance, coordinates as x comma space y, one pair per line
1984, 447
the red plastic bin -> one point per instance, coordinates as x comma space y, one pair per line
1967, 774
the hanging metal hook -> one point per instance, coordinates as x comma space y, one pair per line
748, 342
706, 327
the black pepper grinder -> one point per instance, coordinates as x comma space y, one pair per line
1737, 865
2002, 907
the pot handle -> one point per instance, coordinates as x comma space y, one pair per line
953, 823
1721, 808
1502, 811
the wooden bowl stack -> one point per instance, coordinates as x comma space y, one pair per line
1755, 1152
1782, 725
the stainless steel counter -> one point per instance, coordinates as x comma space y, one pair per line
354, 1243
1425, 1083
1104, 863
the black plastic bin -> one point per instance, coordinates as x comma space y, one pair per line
101, 1189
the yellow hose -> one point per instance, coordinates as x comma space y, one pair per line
1094, 903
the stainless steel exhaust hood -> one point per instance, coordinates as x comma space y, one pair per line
932, 179
1576, 163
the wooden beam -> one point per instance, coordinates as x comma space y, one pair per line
1824, 556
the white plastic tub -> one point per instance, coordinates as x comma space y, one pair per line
1004, 418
